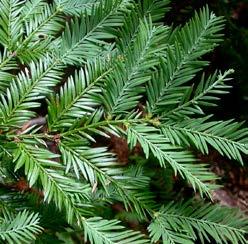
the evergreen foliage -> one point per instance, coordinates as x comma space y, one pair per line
76, 73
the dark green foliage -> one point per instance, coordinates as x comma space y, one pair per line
233, 52
76, 76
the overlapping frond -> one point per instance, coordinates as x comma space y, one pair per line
78, 97
125, 86
39, 22
227, 137
134, 194
21, 228
137, 185
40, 29
100, 168
31, 24
27, 47
154, 9
86, 37
11, 26
24, 92
40, 164
92, 163
182, 162
182, 61
48, 22
98, 230
191, 221
93, 126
